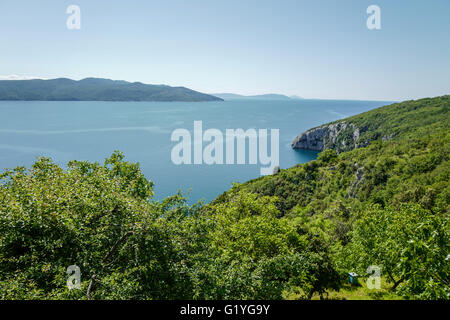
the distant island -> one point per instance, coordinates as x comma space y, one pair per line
269, 96
95, 89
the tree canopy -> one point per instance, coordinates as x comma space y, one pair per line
294, 234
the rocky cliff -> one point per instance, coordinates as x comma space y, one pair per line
340, 136
381, 124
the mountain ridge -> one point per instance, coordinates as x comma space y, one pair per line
95, 89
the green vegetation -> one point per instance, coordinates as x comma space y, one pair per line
361, 292
399, 120
98, 217
293, 235
386, 204
409, 242
95, 89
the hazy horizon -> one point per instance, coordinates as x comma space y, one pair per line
18, 78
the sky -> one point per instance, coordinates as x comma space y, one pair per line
314, 49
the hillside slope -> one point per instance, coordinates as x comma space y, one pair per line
96, 89
418, 146
292, 235
384, 123
385, 202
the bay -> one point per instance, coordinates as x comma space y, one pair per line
86, 130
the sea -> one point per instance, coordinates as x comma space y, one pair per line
86, 130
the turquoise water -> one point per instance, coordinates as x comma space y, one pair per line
142, 130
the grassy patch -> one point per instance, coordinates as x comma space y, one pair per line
362, 292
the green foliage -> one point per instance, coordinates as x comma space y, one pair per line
399, 120
291, 235
97, 217
265, 255
101, 218
409, 243
330, 195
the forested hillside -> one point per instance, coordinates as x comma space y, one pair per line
396, 120
295, 234
95, 89
386, 204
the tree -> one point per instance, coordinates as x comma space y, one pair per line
410, 244
98, 217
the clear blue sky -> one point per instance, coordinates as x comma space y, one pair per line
315, 49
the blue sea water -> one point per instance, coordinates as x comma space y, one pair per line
142, 130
